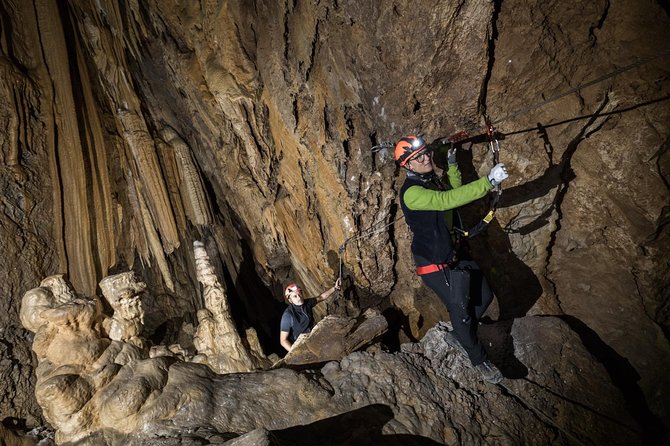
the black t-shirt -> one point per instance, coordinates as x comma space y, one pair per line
297, 319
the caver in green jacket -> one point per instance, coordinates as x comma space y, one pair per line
424, 205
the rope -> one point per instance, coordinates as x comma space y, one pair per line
493, 141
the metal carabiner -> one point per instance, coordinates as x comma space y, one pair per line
494, 145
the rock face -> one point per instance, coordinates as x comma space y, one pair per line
97, 390
131, 129
335, 337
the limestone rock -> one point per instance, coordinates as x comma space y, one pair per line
101, 391
132, 128
217, 340
333, 338
123, 292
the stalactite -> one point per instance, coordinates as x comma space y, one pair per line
154, 243
191, 189
70, 163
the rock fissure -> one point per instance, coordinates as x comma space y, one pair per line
584, 406
492, 35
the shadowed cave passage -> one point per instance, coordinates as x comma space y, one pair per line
253, 304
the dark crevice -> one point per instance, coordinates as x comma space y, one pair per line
257, 142
482, 107
665, 4
373, 142
312, 55
582, 405
286, 37
7, 30
345, 148
601, 22
566, 175
179, 44
83, 127
660, 153
56, 154
251, 303
548, 422
241, 40
294, 107
326, 121
349, 123
393, 212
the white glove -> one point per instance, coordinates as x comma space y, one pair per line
451, 155
498, 174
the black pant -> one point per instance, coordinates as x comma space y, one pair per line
467, 296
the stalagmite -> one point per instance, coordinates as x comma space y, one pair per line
216, 339
123, 291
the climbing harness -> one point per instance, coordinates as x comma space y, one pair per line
407, 152
455, 139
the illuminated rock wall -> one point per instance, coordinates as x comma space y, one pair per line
131, 129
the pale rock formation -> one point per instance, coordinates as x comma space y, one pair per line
123, 292
334, 337
75, 358
428, 392
217, 340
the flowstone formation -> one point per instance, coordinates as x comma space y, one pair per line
100, 391
122, 292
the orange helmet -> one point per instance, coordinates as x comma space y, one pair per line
292, 288
407, 148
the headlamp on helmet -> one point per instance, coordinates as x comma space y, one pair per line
292, 289
408, 148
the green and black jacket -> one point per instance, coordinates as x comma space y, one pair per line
428, 212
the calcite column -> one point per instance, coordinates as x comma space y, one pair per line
217, 340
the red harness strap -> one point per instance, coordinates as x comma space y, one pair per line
428, 269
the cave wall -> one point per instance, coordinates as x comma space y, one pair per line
132, 128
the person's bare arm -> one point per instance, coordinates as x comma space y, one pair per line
283, 340
329, 292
